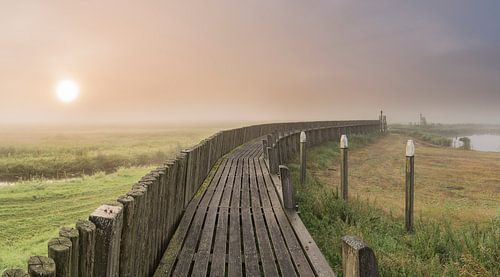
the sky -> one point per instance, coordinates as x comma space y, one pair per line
260, 60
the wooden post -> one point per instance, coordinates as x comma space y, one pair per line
384, 124
39, 266
15, 273
60, 252
87, 233
108, 221
381, 126
410, 184
264, 147
128, 235
73, 236
287, 188
303, 142
358, 260
344, 167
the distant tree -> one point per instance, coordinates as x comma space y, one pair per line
465, 143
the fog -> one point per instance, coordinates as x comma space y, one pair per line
252, 61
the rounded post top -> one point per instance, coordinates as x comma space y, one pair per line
343, 142
410, 148
303, 137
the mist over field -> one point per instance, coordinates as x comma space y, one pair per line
179, 61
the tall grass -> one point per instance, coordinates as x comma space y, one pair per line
436, 248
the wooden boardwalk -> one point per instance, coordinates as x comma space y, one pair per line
237, 227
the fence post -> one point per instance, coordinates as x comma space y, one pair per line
344, 167
264, 148
73, 236
86, 230
410, 184
287, 188
384, 123
108, 221
60, 252
303, 142
381, 126
358, 260
39, 266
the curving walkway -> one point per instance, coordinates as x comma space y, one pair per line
237, 227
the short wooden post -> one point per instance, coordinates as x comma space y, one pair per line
410, 185
60, 252
87, 233
287, 188
264, 148
73, 236
108, 221
15, 273
344, 167
303, 142
39, 266
358, 260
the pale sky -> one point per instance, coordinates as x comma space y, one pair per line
280, 60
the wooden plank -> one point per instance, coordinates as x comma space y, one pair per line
200, 266
267, 258
280, 248
187, 253
293, 245
250, 254
234, 258
218, 266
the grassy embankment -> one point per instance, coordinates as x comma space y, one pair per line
31, 212
457, 228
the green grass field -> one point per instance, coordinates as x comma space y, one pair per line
32, 211
457, 229
60, 153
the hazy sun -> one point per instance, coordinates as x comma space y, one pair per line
67, 90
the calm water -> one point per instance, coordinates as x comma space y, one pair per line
481, 142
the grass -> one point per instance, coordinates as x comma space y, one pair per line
457, 228
27, 154
31, 212
106, 163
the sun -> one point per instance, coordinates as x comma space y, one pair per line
67, 90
